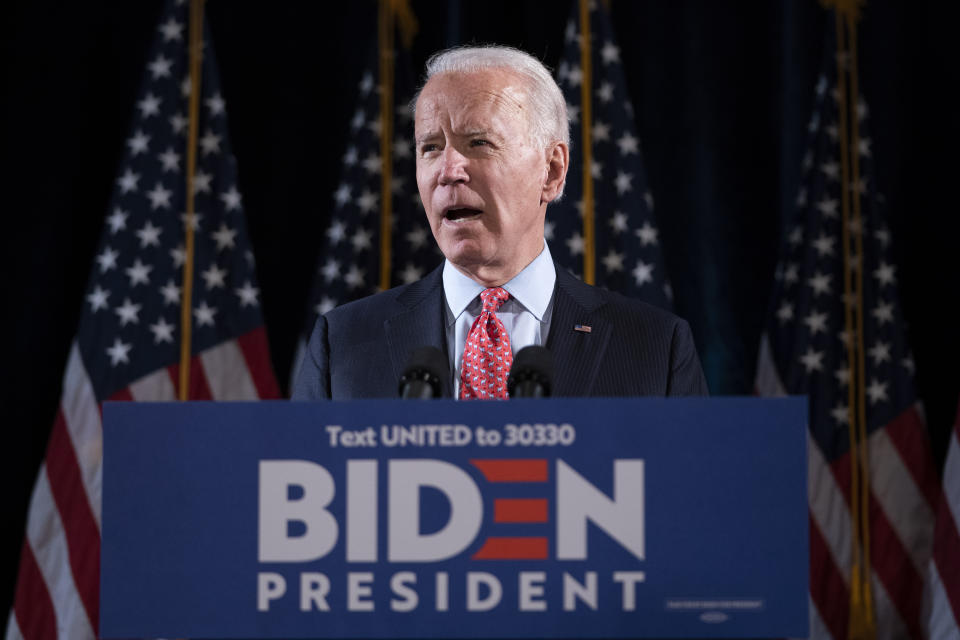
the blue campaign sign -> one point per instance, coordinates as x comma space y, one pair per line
663, 518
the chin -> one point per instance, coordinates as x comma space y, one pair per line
467, 249
465, 259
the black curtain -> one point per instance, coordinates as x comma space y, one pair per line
722, 92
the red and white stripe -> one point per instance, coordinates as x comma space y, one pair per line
58, 586
903, 493
944, 576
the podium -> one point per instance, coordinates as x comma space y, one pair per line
561, 518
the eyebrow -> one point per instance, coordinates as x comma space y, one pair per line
485, 133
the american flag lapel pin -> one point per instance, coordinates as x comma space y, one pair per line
583, 328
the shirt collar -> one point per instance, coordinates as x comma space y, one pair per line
532, 287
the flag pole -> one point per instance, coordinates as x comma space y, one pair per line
852, 106
586, 68
386, 25
196, 53
861, 624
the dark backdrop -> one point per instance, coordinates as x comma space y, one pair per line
722, 91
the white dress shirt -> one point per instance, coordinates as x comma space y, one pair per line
526, 315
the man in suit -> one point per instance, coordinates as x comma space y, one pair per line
492, 145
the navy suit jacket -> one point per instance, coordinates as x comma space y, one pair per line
359, 350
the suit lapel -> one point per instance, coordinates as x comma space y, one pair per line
578, 354
418, 323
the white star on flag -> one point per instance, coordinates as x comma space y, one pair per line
138, 143
647, 233
160, 67
117, 221
417, 238
785, 312
885, 274
812, 360
883, 313
119, 352
98, 299
128, 181
149, 106
159, 197
618, 222
816, 322
410, 274
231, 199
820, 283
248, 294
149, 235
162, 331
201, 182
215, 104
210, 143
214, 276
139, 273
628, 144
336, 232
171, 293
880, 352
613, 261
623, 182
170, 160
326, 304
610, 53
643, 273
361, 240
224, 237
575, 244
368, 201
171, 30
330, 270
107, 259
128, 312
877, 391
354, 277
204, 314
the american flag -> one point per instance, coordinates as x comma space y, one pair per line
127, 346
627, 244
349, 263
805, 351
944, 577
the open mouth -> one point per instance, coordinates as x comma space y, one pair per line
461, 214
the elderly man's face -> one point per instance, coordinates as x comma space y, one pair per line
484, 183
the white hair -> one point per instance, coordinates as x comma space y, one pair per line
548, 118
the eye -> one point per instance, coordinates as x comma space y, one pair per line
427, 147
479, 142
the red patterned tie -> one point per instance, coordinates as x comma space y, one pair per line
486, 356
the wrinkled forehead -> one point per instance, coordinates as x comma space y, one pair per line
465, 98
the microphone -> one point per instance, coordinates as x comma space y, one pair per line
531, 375
423, 378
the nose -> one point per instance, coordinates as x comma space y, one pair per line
453, 166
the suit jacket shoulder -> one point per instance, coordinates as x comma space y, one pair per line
359, 350
606, 344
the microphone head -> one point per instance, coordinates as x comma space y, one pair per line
532, 367
426, 369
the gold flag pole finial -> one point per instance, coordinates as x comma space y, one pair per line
847, 8
406, 21
186, 305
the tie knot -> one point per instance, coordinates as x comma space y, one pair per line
493, 298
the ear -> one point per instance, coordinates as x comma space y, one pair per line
558, 160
